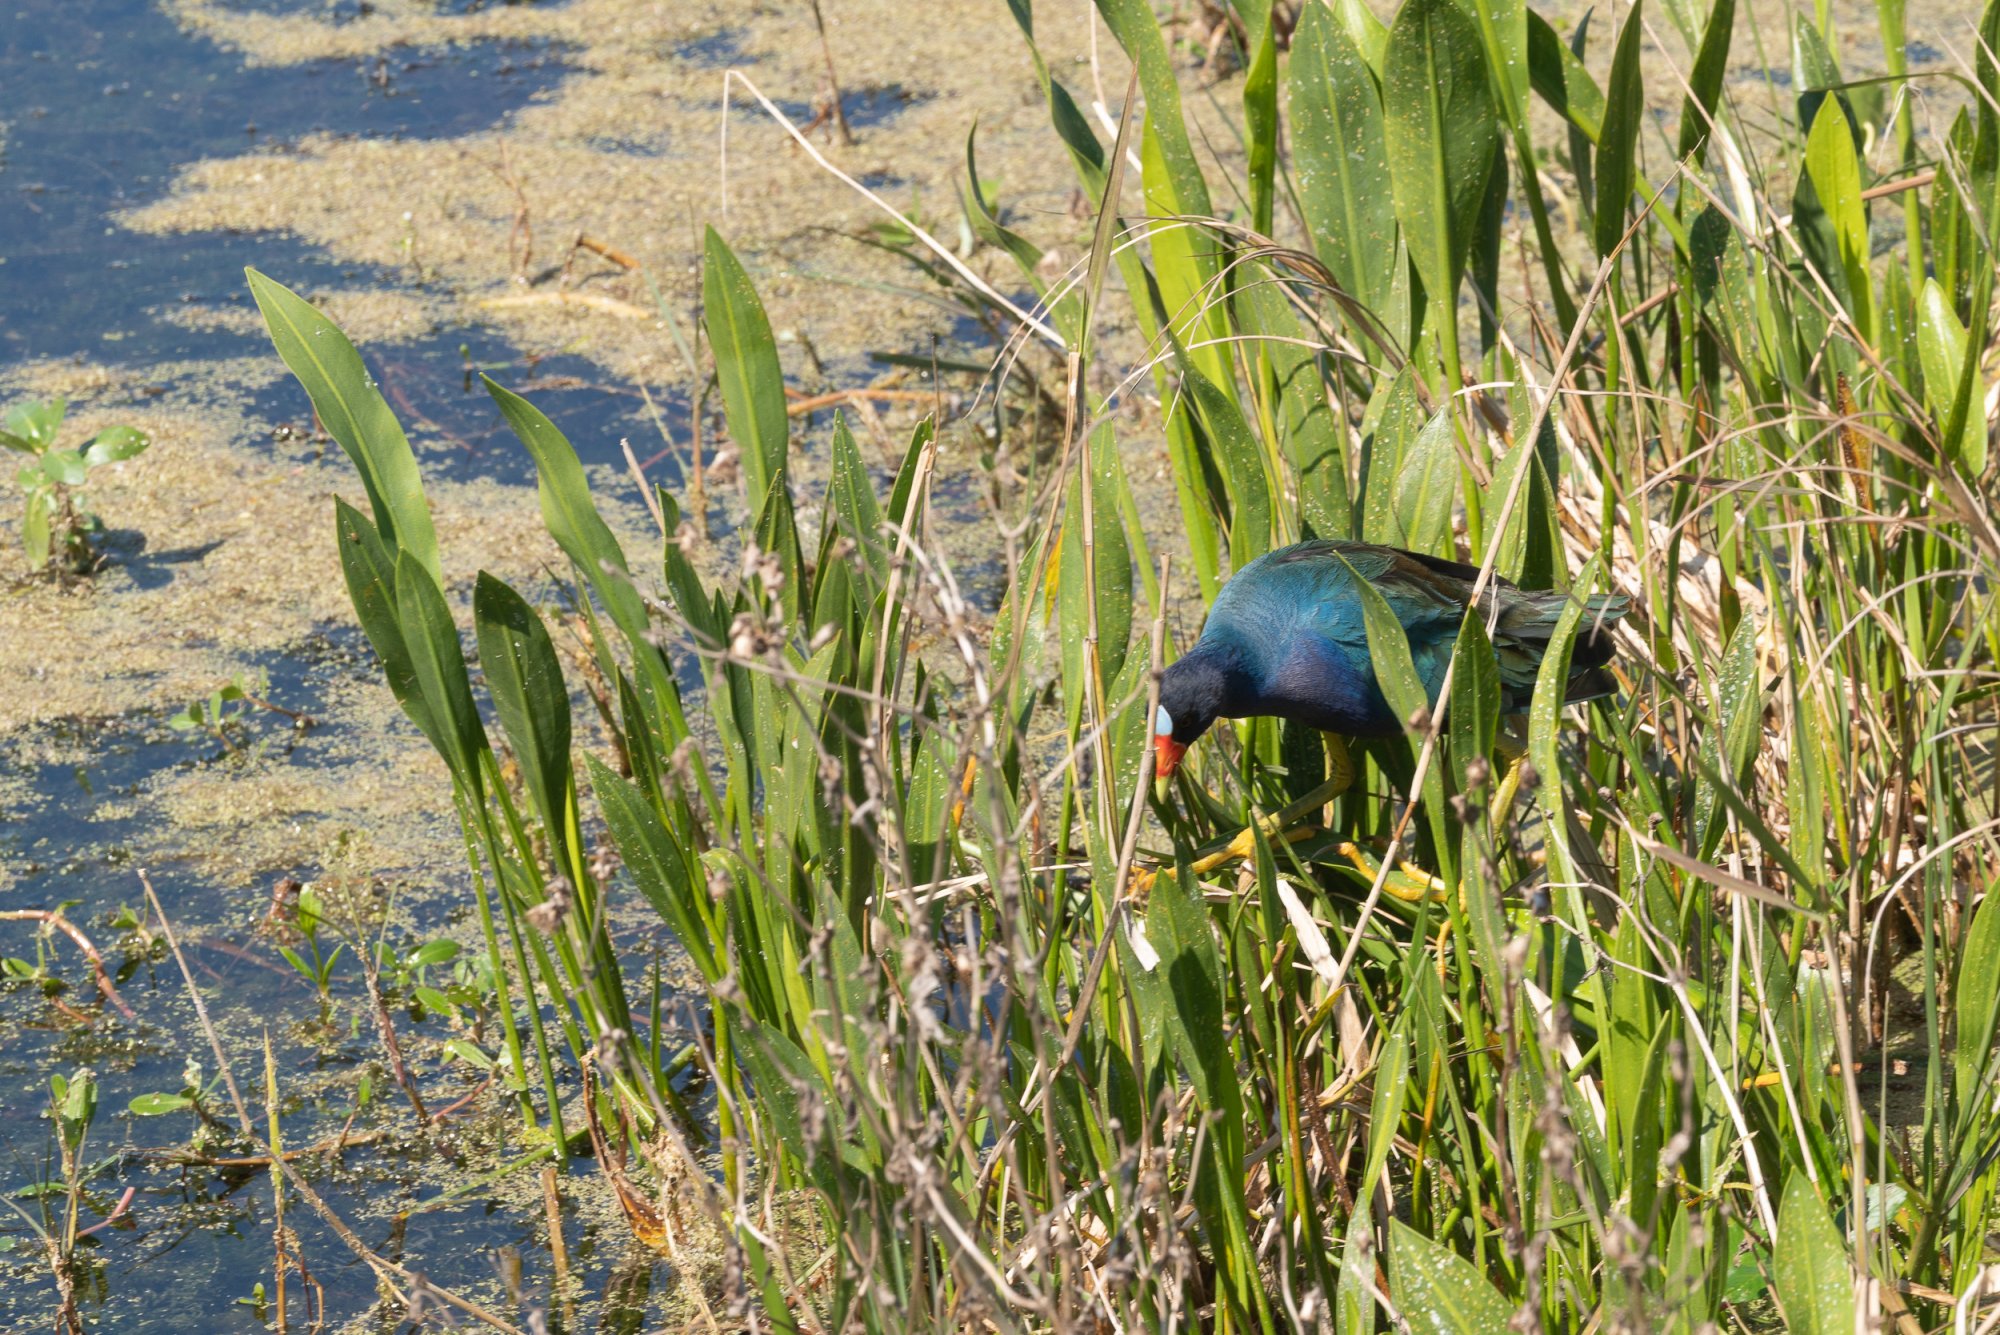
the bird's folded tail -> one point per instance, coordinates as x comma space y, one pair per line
1528, 620
1589, 675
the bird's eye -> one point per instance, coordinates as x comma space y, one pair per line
1163, 722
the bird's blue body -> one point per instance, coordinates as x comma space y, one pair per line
1287, 638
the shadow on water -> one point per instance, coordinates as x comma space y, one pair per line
108, 97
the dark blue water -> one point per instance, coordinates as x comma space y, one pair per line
107, 98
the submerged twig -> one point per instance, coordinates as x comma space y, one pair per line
386, 1271
54, 918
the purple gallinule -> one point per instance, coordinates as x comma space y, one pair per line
1286, 639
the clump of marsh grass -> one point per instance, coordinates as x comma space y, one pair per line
1631, 1063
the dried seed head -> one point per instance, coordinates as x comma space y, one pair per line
609, 1052
548, 915
1420, 719
604, 863
1477, 772
750, 637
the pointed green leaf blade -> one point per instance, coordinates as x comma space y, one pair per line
1618, 144
1438, 1291
1342, 159
1440, 133
525, 680
746, 366
1809, 1264
354, 413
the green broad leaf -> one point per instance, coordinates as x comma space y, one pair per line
1626, 1033
572, 520
1739, 706
928, 803
1111, 569
1354, 1297
1474, 718
978, 198
1531, 552
35, 534
1711, 64
434, 1001
469, 1053
781, 1073
1260, 109
1392, 1084
1941, 341
1836, 176
1402, 687
746, 366
1391, 422
855, 508
64, 467
661, 865
1439, 1292
1340, 156
1177, 926
158, 1105
525, 679
1311, 435
1545, 722
1183, 261
433, 952
1618, 144
1242, 466
1815, 73
1426, 486
1644, 1133
35, 424
1560, 79
1503, 26
778, 536
1984, 160
438, 661
1440, 133
690, 595
370, 570
114, 444
1132, 22
1978, 998
354, 413
1809, 1264
1369, 34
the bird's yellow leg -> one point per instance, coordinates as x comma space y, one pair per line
1514, 755
1340, 777
1411, 883
1407, 882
